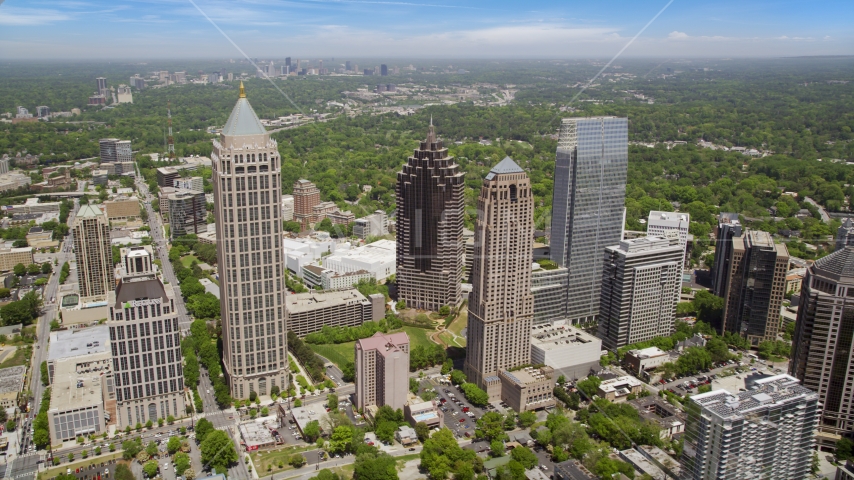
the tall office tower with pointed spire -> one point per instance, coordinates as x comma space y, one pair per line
248, 194
587, 206
430, 206
94, 253
501, 305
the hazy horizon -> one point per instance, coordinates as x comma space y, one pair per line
464, 29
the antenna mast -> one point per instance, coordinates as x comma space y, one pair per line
170, 143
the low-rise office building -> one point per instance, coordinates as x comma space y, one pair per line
572, 352
378, 258
644, 359
341, 218
79, 397
375, 224
529, 388
9, 257
573, 470
11, 384
618, 388
314, 276
187, 213
311, 311
427, 412
126, 208
33, 205
661, 412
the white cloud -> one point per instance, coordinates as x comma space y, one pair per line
25, 17
675, 35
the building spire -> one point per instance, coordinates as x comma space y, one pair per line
242, 91
431, 133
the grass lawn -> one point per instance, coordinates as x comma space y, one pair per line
268, 462
186, 261
460, 322
401, 460
451, 341
22, 354
339, 354
418, 336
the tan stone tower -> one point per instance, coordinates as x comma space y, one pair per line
248, 194
501, 305
94, 253
430, 203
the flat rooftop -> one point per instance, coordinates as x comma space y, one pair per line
557, 337
255, 433
77, 342
304, 415
305, 302
525, 376
614, 384
12, 379
77, 382
775, 390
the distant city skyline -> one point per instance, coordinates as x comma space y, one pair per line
477, 29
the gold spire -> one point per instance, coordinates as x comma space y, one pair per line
242, 91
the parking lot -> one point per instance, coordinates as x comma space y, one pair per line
95, 471
456, 408
713, 377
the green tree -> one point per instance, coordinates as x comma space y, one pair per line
339, 441
375, 466
151, 449
218, 451
311, 431
496, 448
123, 472
182, 462
491, 426
526, 419
525, 456
130, 449
20, 269
422, 430
173, 445
34, 269
150, 469
845, 449
332, 402
47, 268
203, 428
10, 425
44, 373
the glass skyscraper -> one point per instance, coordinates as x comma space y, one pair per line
587, 207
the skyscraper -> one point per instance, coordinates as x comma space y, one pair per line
306, 197
640, 289
94, 253
766, 432
587, 206
146, 343
659, 223
823, 347
102, 86
382, 370
728, 228
248, 196
348, 66
501, 305
757, 280
430, 203
845, 234
384, 70
113, 150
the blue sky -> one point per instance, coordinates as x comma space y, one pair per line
96, 29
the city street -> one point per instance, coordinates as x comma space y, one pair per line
23, 464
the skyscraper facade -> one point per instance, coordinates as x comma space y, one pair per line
767, 432
248, 197
113, 150
660, 223
587, 207
823, 346
382, 370
306, 197
102, 85
501, 305
430, 208
641, 281
728, 228
757, 282
146, 343
845, 234
94, 254
384, 70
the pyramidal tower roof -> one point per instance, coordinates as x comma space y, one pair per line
243, 120
504, 166
89, 211
840, 262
